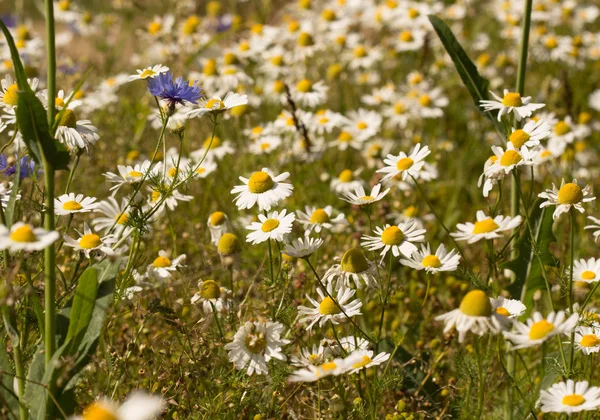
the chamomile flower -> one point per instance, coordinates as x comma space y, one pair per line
509, 308
406, 165
115, 215
360, 197
216, 147
311, 356
595, 227
263, 188
333, 367
75, 133
254, 344
367, 360
521, 107
90, 243
5, 193
475, 314
218, 105
346, 181
569, 195
148, 73
485, 227
530, 135
587, 339
137, 406
71, 204
309, 94
23, 236
315, 219
218, 224
163, 268
302, 247
508, 160
423, 259
570, 397
363, 124
539, 329
273, 226
9, 91
127, 175
212, 297
587, 271
399, 239
335, 309
355, 268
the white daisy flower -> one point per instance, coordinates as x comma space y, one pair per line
90, 243
302, 247
262, 188
360, 198
217, 105
355, 268
569, 195
71, 204
311, 356
442, 260
218, 224
336, 310
217, 149
367, 360
333, 367
316, 219
137, 406
521, 107
399, 239
539, 329
530, 135
115, 216
254, 344
351, 343
346, 181
485, 227
407, 165
9, 95
273, 226
587, 340
509, 308
23, 236
162, 268
363, 124
75, 133
570, 397
587, 271
309, 94
475, 314
127, 175
509, 159
148, 73
595, 227
5, 192
265, 145
211, 296
566, 131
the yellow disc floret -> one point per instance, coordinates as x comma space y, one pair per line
476, 303
89, 241
11, 97
210, 290
217, 218
354, 261
485, 226
512, 99
540, 330
392, 235
23, 234
573, 400
229, 244
328, 307
161, 262
518, 138
72, 206
404, 164
510, 157
98, 411
260, 182
269, 225
431, 261
319, 216
570, 193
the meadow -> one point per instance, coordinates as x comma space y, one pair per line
336, 209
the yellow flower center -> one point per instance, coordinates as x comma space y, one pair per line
305, 40
502, 311
256, 343
399, 108
59, 102
512, 99
344, 137
588, 275
518, 138
360, 51
392, 235
161, 262
561, 128
257, 29
23, 234
540, 330
589, 340
346, 175
155, 196
570, 193
425, 100
11, 97
278, 86
404, 164
217, 218
361, 125
260, 182
584, 117
89, 241
366, 198
264, 146
72, 206
328, 15
269, 225
510, 157
363, 362
64, 5
215, 104
147, 73
277, 60
413, 13
485, 226
328, 307
319, 216
573, 400
326, 367
122, 219
293, 26
210, 290
210, 68
476, 303
406, 36
230, 71
154, 28
304, 86
431, 261
229, 244
354, 261
216, 142
551, 43
68, 119
97, 411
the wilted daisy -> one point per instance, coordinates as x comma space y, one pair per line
335, 310
71, 204
75, 133
218, 224
595, 227
360, 197
406, 165
485, 227
254, 344
366, 360
316, 219
127, 175
399, 239
91, 243
148, 73
423, 259
302, 247
273, 226
475, 314
212, 297
137, 406
23, 236
217, 105
586, 270
569, 195
521, 107
355, 268
570, 397
264, 188
530, 135
539, 329
162, 268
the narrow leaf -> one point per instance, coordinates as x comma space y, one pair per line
83, 302
17, 64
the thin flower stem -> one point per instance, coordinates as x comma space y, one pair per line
480, 372
385, 301
73, 169
589, 296
216, 318
570, 291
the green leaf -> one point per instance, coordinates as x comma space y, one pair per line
83, 302
17, 64
526, 266
8, 398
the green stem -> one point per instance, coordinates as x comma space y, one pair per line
481, 389
570, 291
51, 61
73, 169
524, 47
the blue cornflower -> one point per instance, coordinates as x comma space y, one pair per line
177, 92
27, 166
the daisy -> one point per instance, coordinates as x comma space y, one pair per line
137, 406
273, 226
530, 135
587, 271
353, 267
595, 226
23, 236
115, 215
218, 224
127, 175
90, 243
309, 94
148, 73
360, 198
212, 297
363, 124
367, 360
254, 344
399, 239
509, 159
75, 133
352, 343
229, 247
264, 188
442, 260
569, 195
162, 268
346, 181
565, 131
485, 227
216, 149
5, 193
336, 309
570, 397
587, 340
521, 107
475, 314
71, 204
311, 356
407, 165
9, 91
302, 247
509, 308
265, 145
539, 329
218, 105
333, 367
316, 219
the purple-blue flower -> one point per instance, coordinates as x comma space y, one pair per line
27, 168
177, 92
